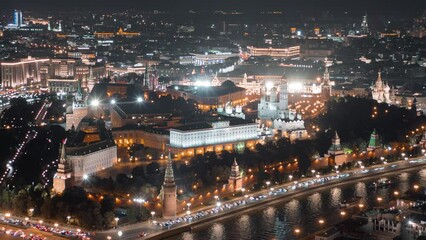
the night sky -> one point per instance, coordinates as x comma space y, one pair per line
398, 7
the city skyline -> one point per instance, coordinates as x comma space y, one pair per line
179, 120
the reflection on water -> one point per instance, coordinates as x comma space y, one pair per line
314, 203
279, 221
244, 226
335, 196
217, 231
292, 211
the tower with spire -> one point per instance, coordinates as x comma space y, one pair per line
90, 81
364, 25
374, 142
169, 191
63, 177
325, 86
335, 155
235, 179
77, 111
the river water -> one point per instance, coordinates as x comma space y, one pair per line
279, 221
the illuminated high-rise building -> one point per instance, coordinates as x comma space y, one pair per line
364, 25
419, 26
17, 18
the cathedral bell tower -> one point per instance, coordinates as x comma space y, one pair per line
325, 86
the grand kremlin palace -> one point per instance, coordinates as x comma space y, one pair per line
213, 135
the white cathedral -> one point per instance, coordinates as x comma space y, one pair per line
381, 92
273, 112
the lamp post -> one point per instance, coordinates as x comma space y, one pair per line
30, 212
116, 221
152, 215
297, 232
321, 222
68, 219
268, 183
380, 199
140, 201
188, 205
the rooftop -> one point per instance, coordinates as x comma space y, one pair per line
210, 91
206, 123
92, 137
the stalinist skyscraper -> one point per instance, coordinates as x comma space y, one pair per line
169, 192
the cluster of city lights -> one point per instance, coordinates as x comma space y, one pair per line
30, 135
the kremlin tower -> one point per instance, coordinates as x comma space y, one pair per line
235, 180
169, 191
63, 177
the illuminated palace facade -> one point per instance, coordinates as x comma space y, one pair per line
218, 135
289, 52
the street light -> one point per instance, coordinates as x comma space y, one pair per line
31, 211
297, 231
139, 99
95, 102
416, 186
268, 183
140, 201
68, 219
113, 101
152, 215
116, 221
321, 222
